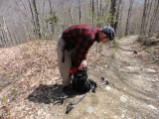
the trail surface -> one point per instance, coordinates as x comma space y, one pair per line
28, 78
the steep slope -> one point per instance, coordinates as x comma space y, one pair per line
28, 74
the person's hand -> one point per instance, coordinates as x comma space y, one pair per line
73, 70
83, 65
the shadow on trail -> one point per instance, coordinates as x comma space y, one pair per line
49, 94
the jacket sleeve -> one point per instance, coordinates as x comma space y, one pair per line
81, 52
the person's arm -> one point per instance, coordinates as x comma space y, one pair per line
81, 52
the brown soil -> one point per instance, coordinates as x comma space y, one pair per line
29, 72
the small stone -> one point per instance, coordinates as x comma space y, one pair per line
122, 116
108, 88
152, 107
104, 112
123, 99
124, 111
90, 109
151, 70
116, 117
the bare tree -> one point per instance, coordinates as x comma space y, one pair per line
149, 8
143, 18
36, 14
71, 16
100, 5
129, 17
149, 19
112, 13
80, 11
5, 27
154, 17
117, 19
32, 16
35, 17
92, 5
51, 13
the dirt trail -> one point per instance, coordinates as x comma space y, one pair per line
133, 92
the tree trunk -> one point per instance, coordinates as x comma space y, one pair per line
117, 16
5, 27
112, 13
154, 17
71, 16
43, 20
128, 18
3, 37
16, 30
80, 11
36, 18
32, 15
148, 13
51, 14
142, 30
100, 5
92, 4
120, 10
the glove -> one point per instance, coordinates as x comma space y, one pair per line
73, 70
83, 66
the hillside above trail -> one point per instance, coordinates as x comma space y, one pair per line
30, 82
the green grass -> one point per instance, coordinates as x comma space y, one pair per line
4, 99
115, 45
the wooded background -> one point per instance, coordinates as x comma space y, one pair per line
24, 20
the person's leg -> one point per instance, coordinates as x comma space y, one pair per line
64, 67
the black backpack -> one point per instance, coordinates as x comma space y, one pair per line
80, 82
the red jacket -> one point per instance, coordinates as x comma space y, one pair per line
81, 37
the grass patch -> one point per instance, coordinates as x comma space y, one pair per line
140, 39
115, 45
15, 91
146, 41
4, 99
